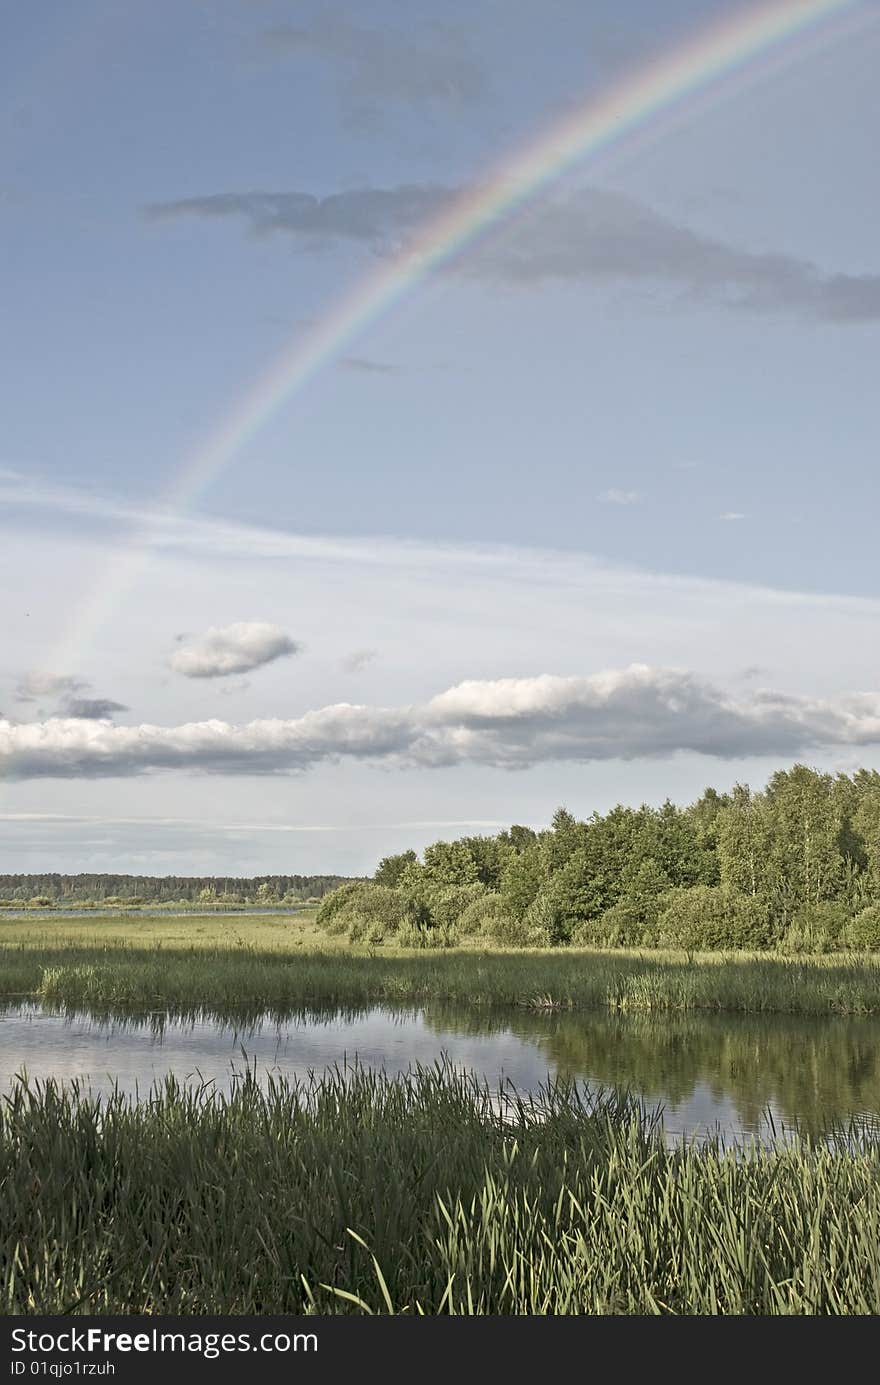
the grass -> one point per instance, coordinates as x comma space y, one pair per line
363, 1194
279, 962
359, 1193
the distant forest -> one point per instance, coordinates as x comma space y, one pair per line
794, 867
52, 888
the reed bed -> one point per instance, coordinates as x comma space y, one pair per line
144, 977
358, 1193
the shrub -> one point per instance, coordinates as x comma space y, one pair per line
620, 926
363, 910
815, 928
366, 930
863, 931
714, 916
447, 903
546, 917
334, 904
632, 922
508, 930
482, 914
417, 935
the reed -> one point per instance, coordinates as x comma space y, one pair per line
430, 1194
220, 977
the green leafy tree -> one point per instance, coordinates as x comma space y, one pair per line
865, 824
391, 868
490, 856
566, 835
450, 863
518, 838
521, 881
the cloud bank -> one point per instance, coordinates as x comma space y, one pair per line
35, 685
508, 723
92, 708
382, 66
237, 648
378, 217
594, 234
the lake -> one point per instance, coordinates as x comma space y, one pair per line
744, 1076
152, 911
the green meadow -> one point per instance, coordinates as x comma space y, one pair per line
281, 962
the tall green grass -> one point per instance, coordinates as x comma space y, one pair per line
360, 1193
220, 977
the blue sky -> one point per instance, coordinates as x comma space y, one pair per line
636, 424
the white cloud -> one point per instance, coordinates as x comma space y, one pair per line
618, 497
358, 659
636, 712
236, 648
36, 684
732, 515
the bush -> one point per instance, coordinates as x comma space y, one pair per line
546, 917
815, 928
622, 925
447, 903
632, 922
714, 916
482, 915
490, 917
363, 910
366, 930
532, 930
863, 931
331, 913
417, 935
510, 932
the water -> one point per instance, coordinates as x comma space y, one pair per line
152, 911
743, 1076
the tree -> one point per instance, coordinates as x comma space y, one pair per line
450, 863
521, 881
490, 856
391, 868
865, 824
518, 838
785, 844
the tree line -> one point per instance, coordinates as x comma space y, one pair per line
52, 888
794, 866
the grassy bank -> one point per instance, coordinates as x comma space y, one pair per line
415, 1195
277, 963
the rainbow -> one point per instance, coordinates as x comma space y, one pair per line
669, 86
709, 56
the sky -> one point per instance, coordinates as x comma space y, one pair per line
586, 515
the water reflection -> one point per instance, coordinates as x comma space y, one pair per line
740, 1075
806, 1071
